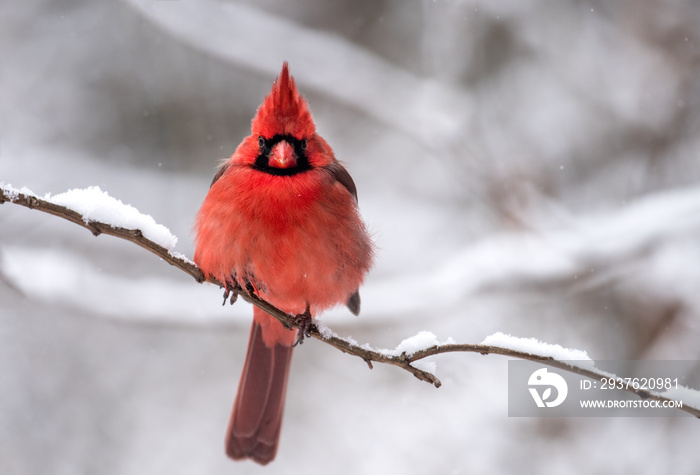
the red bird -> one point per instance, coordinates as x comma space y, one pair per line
280, 220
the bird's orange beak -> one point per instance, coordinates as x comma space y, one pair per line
282, 155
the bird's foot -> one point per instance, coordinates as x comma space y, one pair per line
231, 289
237, 284
303, 322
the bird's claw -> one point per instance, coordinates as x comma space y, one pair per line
303, 322
231, 288
236, 285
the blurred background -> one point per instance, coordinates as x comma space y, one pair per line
529, 167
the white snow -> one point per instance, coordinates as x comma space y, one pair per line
96, 205
417, 342
535, 347
409, 346
12, 193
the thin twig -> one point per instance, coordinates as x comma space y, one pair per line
404, 361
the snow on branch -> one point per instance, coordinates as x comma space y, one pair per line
95, 210
100, 213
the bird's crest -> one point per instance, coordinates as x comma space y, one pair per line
284, 110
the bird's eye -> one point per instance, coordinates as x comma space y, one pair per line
261, 141
303, 144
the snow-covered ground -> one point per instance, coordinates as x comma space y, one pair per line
528, 168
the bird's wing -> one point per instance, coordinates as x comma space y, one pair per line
222, 169
339, 172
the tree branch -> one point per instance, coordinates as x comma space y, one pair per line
404, 360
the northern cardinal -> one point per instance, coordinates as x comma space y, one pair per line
280, 220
